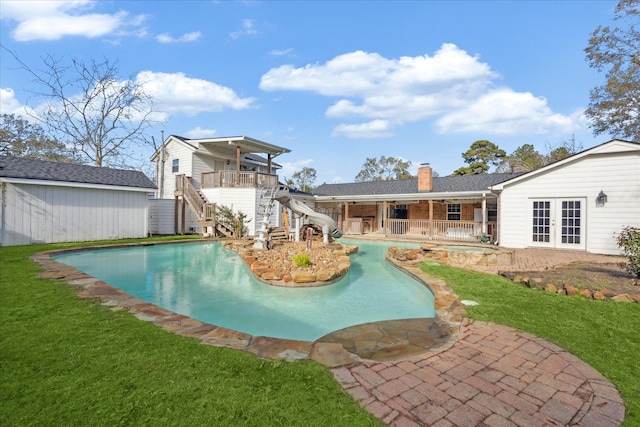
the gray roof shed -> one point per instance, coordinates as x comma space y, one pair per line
30, 169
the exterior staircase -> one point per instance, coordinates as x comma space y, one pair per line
204, 210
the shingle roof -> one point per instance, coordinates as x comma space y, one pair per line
450, 184
16, 167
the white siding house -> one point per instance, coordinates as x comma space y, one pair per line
234, 172
557, 206
48, 202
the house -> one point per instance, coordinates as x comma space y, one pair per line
48, 202
576, 203
555, 206
429, 207
195, 175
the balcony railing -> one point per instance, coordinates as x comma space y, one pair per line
465, 231
237, 179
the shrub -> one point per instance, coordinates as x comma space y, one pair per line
302, 260
233, 221
629, 241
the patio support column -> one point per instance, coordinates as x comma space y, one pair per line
346, 217
269, 164
385, 207
430, 219
484, 214
237, 158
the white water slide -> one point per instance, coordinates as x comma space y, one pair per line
328, 225
281, 194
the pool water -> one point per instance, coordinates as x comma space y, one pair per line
209, 283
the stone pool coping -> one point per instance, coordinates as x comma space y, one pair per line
379, 341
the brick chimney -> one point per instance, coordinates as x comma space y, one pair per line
425, 178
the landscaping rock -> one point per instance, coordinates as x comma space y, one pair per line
622, 298
302, 276
598, 295
570, 290
550, 287
586, 293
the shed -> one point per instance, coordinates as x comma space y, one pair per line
48, 202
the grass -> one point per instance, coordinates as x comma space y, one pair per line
604, 334
67, 361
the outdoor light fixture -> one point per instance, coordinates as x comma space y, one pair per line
601, 199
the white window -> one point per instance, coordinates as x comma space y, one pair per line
175, 166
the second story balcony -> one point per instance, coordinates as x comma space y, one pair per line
241, 179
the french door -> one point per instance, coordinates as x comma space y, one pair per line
558, 223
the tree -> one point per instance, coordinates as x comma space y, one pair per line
614, 107
384, 169
234, 221
566, 148
21, 138
304, 179
524, 159
479, 157
102, 116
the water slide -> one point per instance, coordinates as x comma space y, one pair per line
329, 226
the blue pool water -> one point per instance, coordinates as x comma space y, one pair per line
211, 284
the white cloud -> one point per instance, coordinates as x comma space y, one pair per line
9, 104
505, 112
248, 29
53, 20
283, 52
176, 93
185, 38
373, 129
198, 132
385, 93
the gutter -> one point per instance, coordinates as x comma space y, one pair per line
402, 197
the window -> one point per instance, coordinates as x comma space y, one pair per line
454, 212
175, 165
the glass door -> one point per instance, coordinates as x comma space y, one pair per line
558, 223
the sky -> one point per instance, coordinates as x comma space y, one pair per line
336, 82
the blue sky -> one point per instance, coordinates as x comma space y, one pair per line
333, 81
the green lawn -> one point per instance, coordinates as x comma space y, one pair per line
72, 362
604, 334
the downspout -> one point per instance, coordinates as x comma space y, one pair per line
496, 238
3, 188
162, 160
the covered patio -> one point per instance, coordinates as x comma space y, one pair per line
453, 208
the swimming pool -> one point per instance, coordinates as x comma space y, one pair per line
206, 282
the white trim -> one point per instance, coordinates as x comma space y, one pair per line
462, 195
632, 146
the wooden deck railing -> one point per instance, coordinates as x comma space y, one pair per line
465, 231
199, 205
237, 179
